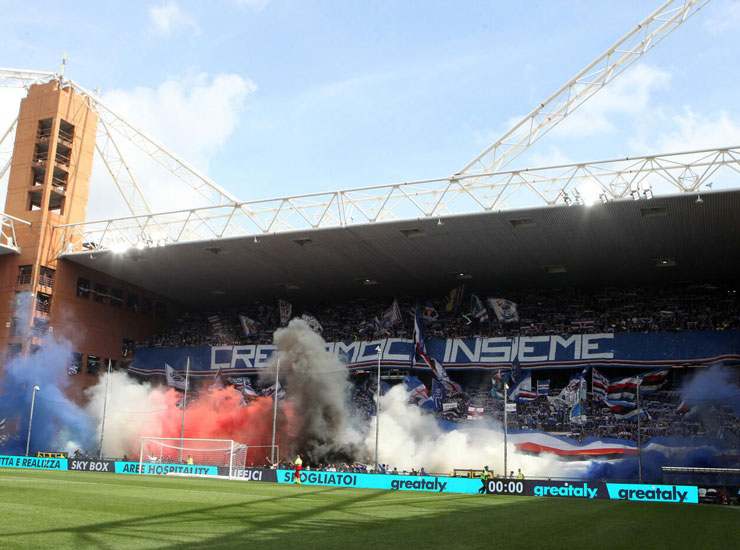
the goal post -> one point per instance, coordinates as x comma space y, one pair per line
222, 453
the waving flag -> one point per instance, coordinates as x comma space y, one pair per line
543, 387
454, 298
498, 380
438, 395
313, 323
599, 385
270, 390
578, 414
286, 311
392, 316
174, 378
522, 388
429, 313
249, 326
505, 310
418, 392
626, 388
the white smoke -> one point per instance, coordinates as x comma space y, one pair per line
409, 438
131, 407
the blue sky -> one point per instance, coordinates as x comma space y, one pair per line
276, 97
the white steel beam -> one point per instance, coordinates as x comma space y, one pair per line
200, 183
120, 172
21, 78
582, 184
592, 78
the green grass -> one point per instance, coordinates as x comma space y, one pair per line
84, 510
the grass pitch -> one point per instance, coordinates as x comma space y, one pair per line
85, 510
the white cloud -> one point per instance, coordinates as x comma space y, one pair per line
629, 95
169, 17
724, 17
192, 116
690, 130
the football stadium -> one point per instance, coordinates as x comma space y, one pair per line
546, 355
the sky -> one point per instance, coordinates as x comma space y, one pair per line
279, 97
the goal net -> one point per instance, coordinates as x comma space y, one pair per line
228, 455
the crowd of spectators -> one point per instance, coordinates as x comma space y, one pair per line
542, 312
664, 417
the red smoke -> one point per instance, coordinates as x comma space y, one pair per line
219, 413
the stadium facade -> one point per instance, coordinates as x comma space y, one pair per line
48, 186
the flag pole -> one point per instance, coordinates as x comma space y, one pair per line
184, 405
105, 408
275, 407
506, 428
639, 434
377, 410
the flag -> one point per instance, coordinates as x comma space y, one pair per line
419, 345
578, 414
454, 298
599, 385
286, 310
497, 384
392, 316
626, 388
270, 390
653, 381
438, 394
440, 373
249, 326
571, 393
521, 389
312, 322
505, 310
248, 390
543, 387
416, 389
174, 378
478, 309
429, 313
622, 389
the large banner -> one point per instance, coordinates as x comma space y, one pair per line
33, 463
155, 468
589, 490
623, 349
387, 482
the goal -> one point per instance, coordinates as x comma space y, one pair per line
228, 455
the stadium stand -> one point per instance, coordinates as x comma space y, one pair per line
556, 311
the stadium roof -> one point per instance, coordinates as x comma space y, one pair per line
667, 239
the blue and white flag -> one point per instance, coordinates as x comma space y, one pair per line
392, 316
174, 378
270, 390
249, 326
438, 395
522, 387
505, 310
429, 313
543, 387
416, 389
578, 414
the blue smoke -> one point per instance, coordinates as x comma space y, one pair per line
715, 385
58, 422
